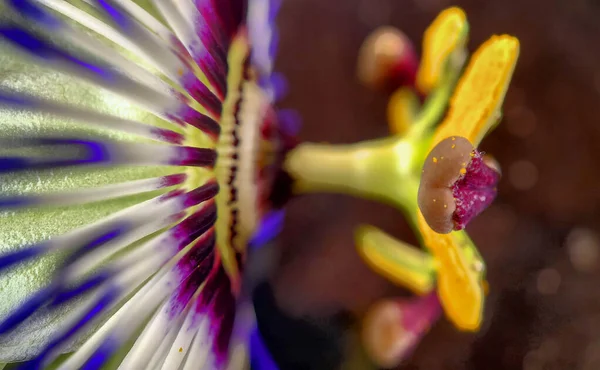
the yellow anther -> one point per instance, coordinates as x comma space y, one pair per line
444, 36
399, 262
459, 288
473, 109
480, 92
402, 110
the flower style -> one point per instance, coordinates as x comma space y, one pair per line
435, 175
139, 148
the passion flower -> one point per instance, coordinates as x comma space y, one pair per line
139, 146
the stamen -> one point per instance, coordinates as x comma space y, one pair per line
443, 49
403, 264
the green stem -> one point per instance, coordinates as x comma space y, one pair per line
435, 105
378, 169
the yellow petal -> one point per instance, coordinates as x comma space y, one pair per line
402, 110
445, 35
476, 102
399, 262
460, 275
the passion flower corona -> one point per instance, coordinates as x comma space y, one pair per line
139, 146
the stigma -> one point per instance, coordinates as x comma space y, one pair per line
458, 183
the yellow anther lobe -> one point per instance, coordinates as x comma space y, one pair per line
403, 264
459, 287
480, 92
402, 110
458, 283
445, 35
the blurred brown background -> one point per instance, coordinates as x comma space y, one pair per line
541, 237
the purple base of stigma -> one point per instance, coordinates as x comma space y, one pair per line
474, 192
